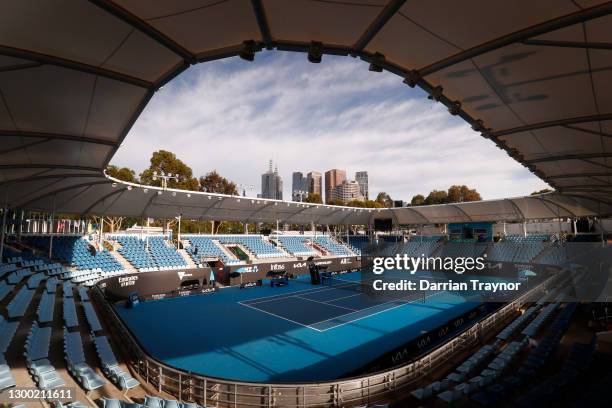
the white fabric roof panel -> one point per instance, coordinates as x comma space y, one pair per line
534, 77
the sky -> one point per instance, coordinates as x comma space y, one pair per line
233, 116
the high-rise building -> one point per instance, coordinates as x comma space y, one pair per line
361, 177
299, 186
333, 178
271, 184
347, 191
313, 180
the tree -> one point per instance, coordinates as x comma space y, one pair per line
167, 162
459, 194
544, 191
373, 204
384, 199
313, 198
417, 200
122, 173
356, 203
213, 182
334, 201
437, 197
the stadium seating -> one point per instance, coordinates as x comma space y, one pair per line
110, 366
356, 242
76, 251
6, 377
296, 245
46, 307
7, 332
37, 358
19, 304
333, 247
518, 248
463, 250
150, 254
556, 255
254, 243
204, 247
77, 366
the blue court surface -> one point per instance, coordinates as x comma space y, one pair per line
293, 333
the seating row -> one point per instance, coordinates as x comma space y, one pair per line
77, 366
46, 307
7, 332
6, 377
110, 366
19, 304
70, 315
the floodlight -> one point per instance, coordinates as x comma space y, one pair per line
376, 65
315, 52
435, 94
247, 52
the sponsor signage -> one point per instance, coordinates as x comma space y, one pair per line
155, 285
241, 274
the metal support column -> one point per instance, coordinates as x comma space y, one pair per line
4, 211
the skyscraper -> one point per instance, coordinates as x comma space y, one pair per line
361, 177
313, 181
333, 178
347, 191
271, 184
299, 186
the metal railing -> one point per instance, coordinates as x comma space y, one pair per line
378, 387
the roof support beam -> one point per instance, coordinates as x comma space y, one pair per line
24, 146
262, 21
589, 131
56, 136
569, 157
145, 28
101, 199
379, 22
45, 177
49, 166
462, 211
518, 36
553, 123
545, 200
61, 190
570, 44
576, 175
46, 59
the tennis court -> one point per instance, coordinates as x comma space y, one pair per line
297, 332
341, 300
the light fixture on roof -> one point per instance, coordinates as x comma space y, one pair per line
436, 94
159, 193
146, 190
378, 60
412, 78
478, 125
247, 52
315, 52
454, 108
188, 195
129, 188
114, 185
174, 194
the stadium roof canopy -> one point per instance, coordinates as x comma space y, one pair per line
534, 77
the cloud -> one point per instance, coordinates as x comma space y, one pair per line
234, 116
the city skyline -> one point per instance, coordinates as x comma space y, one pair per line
223, 114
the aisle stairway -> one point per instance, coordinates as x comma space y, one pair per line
187, 258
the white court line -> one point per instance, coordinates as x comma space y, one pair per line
285, 295
373, 314
326, 304
281, 317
